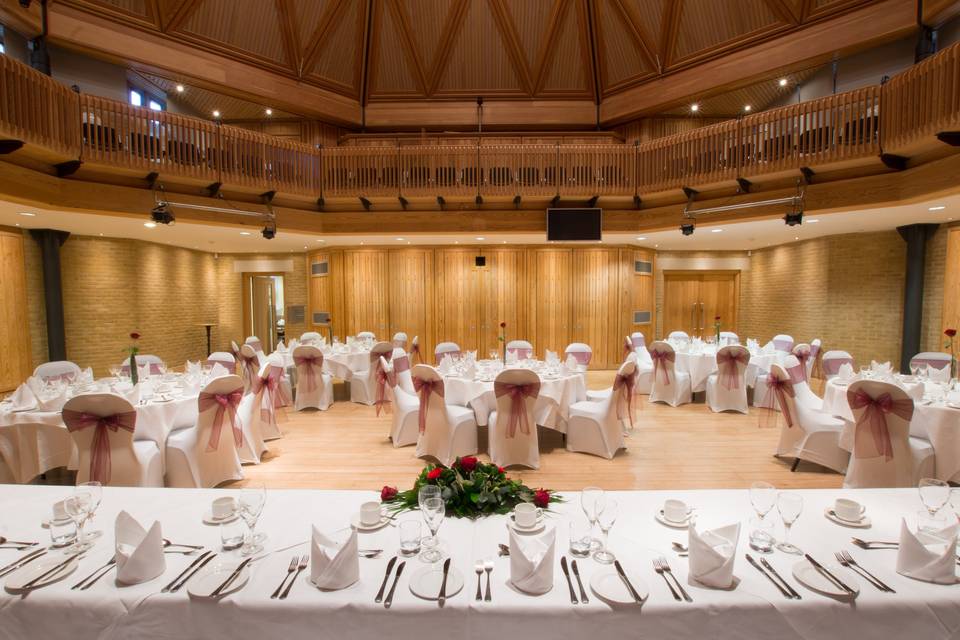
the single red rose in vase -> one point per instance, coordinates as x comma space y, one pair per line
503, 325
134, 336
717, 318
950, 333
468, 464
388, 493
434, 473
541, 498
500, 469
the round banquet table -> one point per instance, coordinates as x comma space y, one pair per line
702, 364
551, 409
344, 364
937, 422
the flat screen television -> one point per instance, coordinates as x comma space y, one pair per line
574, 225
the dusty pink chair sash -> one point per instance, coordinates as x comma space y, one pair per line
226, 404
226, 364
872, 434
424, 389
627, 346
803, 355
582, 357
308, 368
522, 353
270, 382
250, 368
623, 388
415, 351
401, 364
831, 366
797, 373
518, 410
383, 379
152, 367
68, 376
100, 468
781, 388
256, 345
660, 360
728, 364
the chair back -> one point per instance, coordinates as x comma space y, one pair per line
581, 352
217, 406
520, 348
415, 350
249, 366
384, 349
932, 359
154, 364
730, 337
882, 412
366, 335
102, 427
224, 359
446, 348
308, 360
803, 353
234, 348
678, 335
311, 337
664, 359
638, 340
429, 387
783, 342
57, 370
797, 374
400, 339
833, 360
781, 386
401, 369
620, 402
254, 342
516, 391
732, 361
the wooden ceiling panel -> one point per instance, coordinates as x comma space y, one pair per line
246, 26
339, 61
201, 103
140, 12
647, 15
709, 25
567, 70
392, 67
531, 21
620, 55
309, 14
427, 19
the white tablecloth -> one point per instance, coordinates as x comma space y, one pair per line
936, 422
551, 410
344, 365
753, 609
702, 364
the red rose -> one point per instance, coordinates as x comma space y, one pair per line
503, 325
434, 473
717, 318
500, 469
135, 335
541, 498
950, 333
468, 463
388, 493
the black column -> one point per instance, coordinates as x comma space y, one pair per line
50, 241
915, 235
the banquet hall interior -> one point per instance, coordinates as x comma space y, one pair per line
315, 257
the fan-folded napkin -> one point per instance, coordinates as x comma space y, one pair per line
446, 363
52, 401
846, 371
23, 399
878, 367
552, 357
193, 368
139, 553
712, 555
572, 363
928, 556
531, 561
334, 560
281, 348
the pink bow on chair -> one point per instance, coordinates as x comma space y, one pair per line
251, 368
383, 378
307, 366
401, 364
660, 360
623, 387
803, 355
415, 351
627, 347
100, 467
424, 388
781, 388
226, 403
871, 427
274, 392
727, 362
518, 410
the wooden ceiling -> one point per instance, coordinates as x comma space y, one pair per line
389, 50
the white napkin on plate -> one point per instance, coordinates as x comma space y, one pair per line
143, 372
86, 376
939, 375
846, 371
712, 555
281, 348
928, 556
572, 363
139, 553
446, 363
52, 401
23, 399
878, 367
334, 560
129, 391
552, 357
531, 561
193, 368
470, 372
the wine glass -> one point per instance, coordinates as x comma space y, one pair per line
763, 496
95, 489
592, 501
251, 503
934, 494
606, 516
433, 511
789, 505
115, 371
77, 507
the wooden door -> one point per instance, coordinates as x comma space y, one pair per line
503, 295
551, 299
681, 300
593, 302
691, 300
719, 296
263, 312
15, 365
365, 292
410, 302
457, 299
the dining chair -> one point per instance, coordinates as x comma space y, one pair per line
678, 335
400, 340
520, 348
364, 384
314, 387
445, 431
938, 364
783, 342
451, 349
513, 438
833, 360
597, 427
56, 369
727, 388
669, 385
224, 359
254, 342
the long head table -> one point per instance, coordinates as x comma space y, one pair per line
753, 609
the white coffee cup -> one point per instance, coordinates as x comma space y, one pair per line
526, 514
849, 510
676, 510
370, 513
223, 508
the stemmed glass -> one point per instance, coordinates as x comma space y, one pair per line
763, 496
115, 371
605, 518
591, 501
790, 505
78, 508
934, 494
250, 504
433, 511
426, 492
95, 489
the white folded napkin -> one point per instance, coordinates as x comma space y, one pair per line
938, 375
928, 556
446, 363
531, 561
52, 401
23, 399
846, 371
193, 367
878, 367
471, 356
143, 372
86, 376
753, 345
511, 357
139, 553
334, 559
470, 372
35, 384
129, 391
294, 344
572, 363
552, 357
218, 370
712, 555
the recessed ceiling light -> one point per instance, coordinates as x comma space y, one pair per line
399, 239
179, 88
480, 238
812, 220
101, 235
796, 237
641, 237
149, 225
320, 240
504, 242
216, 114
936, 208
716, 230
694, 107
30, 214
17, 224
782, 82
244, 233
747, 108
269, 112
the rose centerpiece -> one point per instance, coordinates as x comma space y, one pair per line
470, 489
134, 350
949, 346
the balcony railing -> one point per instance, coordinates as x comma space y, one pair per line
831, 131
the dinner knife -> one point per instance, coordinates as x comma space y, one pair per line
576, 572
187, 578
393, 587
386, 576
784, 592
826, 574
198, 560
443, 585
52, 570
566, 572
626, 581
233, 576
19, 562
786, 584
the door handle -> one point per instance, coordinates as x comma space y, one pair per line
703, 324
693, 318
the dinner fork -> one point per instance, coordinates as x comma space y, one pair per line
845, 559
304, 561
290, 569
488, 567
666, 568
658, 567
478, 567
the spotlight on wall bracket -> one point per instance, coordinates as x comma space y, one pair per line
687, 228
269, 231
793, 218
161, 214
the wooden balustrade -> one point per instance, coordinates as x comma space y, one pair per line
38, 110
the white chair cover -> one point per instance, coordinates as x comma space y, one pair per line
730, 337
404, 427
597, 427
102, 427
815, 346
224, 359
366, 335
938, 364
678, 335
415, 356
884, 454
314, 387
400, 340
581, 352
727, 389
205, 455
833, 360
154, 362
513, 429
272, 394
401, 364
57, 369
254, 342
446, 348
803, 352
445, 431
669, 385
249, 413
783, 342
311, 337
364, 385
249, 365
521, 348
638, 340
804, 393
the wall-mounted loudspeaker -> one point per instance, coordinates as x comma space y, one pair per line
480, 261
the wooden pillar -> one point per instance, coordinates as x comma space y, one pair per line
50, 241
915, 235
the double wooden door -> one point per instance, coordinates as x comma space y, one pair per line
692, 299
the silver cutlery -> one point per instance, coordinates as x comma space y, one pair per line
94, 576
184, 572
233, 576
566, 574
875, 544
668, 571
190, 575
19, 543
393, 587
304, 561
769, 567
369, 553
167, 543
290, 569
442, 597
576, 573
658, 567
488, 567
783, 592
681, 549
846, 560
19, 562
826, 573
504, 550
52, 571
386, 576
623, 576
478, 567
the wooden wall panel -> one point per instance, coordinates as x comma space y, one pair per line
593, 303
411, 295
14, 330
551, 302
637, 294
504, 294
365, 291
951, 285
457, 296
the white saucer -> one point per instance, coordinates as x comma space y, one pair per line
209, 519
213, 575
608, 586
426, 582
863, 523
808, 576
20, 577
537, 528
356, 524
670, 523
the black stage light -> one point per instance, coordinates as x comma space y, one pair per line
793, 218
161, 214
687, 228
269, 231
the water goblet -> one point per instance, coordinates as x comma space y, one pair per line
605, 519
592, 501
763, 496
250, 506
790, 505
77, 507
934, 494
433, 511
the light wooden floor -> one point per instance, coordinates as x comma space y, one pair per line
687, 447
